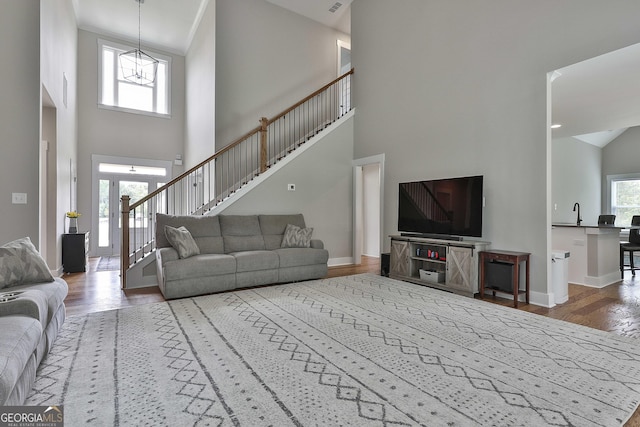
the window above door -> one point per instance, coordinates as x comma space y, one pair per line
116, 93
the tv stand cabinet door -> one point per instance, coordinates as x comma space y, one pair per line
400, 258
460, 269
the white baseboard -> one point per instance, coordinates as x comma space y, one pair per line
335, 262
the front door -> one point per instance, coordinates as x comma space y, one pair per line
114, 181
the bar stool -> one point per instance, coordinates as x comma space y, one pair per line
632, 245
606, 219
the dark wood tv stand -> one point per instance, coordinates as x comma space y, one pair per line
450, 265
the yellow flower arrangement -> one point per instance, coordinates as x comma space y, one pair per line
73, 214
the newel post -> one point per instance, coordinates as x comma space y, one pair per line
124, 242
263, 144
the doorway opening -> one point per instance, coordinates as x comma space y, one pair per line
368, 178
114, 177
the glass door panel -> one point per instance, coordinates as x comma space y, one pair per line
136, 190
104, 215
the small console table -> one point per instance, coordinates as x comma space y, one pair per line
513, 260
75, 252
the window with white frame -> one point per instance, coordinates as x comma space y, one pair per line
624, 197
117, 93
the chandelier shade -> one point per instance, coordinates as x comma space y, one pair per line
137, 66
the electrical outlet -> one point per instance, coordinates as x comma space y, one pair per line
291, 187
19, 198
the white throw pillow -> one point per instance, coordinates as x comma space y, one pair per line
182, 241
21, 263
296, 237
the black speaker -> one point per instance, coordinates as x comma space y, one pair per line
385, 260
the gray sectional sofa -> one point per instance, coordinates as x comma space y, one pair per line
32, 312
235, 251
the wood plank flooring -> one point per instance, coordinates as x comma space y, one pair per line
615, 308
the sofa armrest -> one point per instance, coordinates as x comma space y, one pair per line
30, 303
317, 244
164, 255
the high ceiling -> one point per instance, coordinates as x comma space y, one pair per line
169, 25
598, 99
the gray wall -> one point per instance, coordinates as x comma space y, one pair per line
460, 88
267, 58
200, 91
115, 133
59, 62
19, 117
576, 176
622, 155
323, 176
39, 48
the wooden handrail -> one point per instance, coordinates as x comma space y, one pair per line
239, 140
316, 93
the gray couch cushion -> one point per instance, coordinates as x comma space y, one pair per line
21, 263
182, 241
205, 230
31, 303
202, 265
241, 233
19, 337
256, 260
273, 227
55, 293
295, 257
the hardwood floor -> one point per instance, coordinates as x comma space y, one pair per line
615, 308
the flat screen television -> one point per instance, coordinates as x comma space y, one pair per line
449, 207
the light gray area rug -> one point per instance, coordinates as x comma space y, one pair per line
108, 263
360, 350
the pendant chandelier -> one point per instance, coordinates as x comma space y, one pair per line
137, 66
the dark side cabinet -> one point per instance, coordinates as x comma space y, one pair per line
75, 252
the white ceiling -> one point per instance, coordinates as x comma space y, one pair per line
169, 25
598, 99
327, 12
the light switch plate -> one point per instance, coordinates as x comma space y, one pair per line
19, 198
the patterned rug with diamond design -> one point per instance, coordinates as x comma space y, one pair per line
357, 350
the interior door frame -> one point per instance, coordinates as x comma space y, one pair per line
358, 203
96, 160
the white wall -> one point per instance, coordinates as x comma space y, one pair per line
114, 133
19, 117
59, 62
323, 176
451, 88
371, 210
200, 90
267, 58
622, 155
576, 176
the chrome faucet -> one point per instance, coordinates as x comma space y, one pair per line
577, 205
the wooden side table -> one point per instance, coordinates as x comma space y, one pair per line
508, 257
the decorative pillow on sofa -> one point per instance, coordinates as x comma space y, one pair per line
21, 263
182, 241
296, 237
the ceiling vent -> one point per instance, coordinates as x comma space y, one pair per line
335, 7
